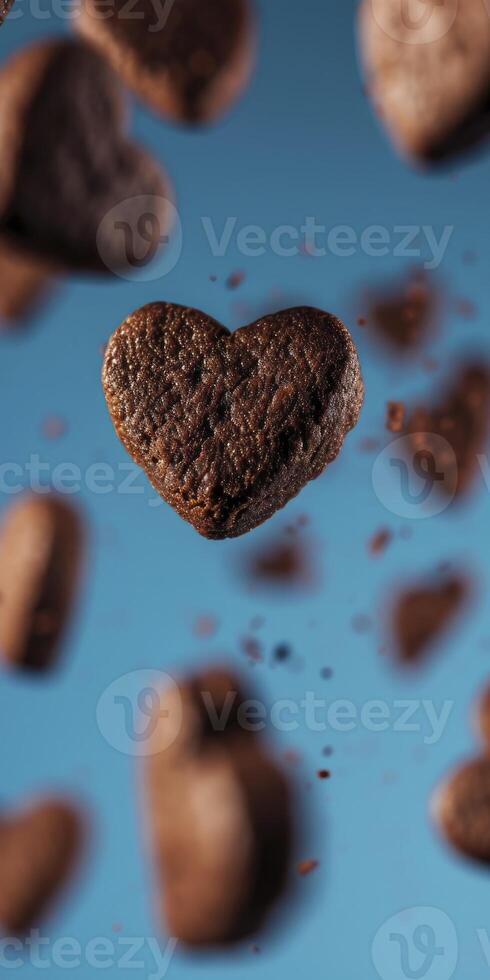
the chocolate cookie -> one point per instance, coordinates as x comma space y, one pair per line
5, 6
461, 808
453, 433
219, 814
230, 426
188, 60
62, 96
423, 613
40, 552
39, 848
24, 283
428, 72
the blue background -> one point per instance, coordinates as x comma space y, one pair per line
303, 141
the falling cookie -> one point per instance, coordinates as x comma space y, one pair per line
454, 433
428, 72
422, 613
39, 848
219, 814
188, 60
40, 552
62, 95
230, 426
461, 809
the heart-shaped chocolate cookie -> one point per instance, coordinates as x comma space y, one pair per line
219, 813
66, 162
230, 426
428, 72
187, 59
39, 847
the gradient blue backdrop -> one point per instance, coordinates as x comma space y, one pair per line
302, 142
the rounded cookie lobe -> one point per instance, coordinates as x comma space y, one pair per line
428, 73
52, 205
461, 808
187, 59
230, 426
41, 542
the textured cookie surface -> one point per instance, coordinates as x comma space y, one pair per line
38, 849
428, 72
5, 6
61, 94
461, 808
40, 552
219, 814
187, 59
229, 426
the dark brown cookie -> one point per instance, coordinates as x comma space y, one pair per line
39, 848
62, 95
24, 283
423, 613
230, 426
428, 72
219, 814
187, 59
454, 432
461, 809
5, 6
40, 552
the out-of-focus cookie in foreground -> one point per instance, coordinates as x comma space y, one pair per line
219, 814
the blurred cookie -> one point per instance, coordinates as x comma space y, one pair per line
66, 162
461, 809
24, 283
422, 613
482, 717
39, 848
40, 555
454, 432
428, 72
188, 60
230, 426
219, 814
